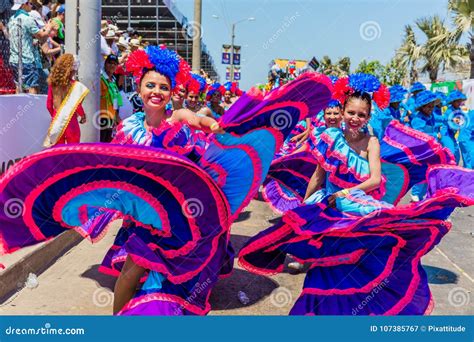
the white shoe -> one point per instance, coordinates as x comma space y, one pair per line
415, 198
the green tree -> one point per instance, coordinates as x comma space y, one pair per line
394, 72
463, 16
344, 66
439, 51
409, 53
373, 67
325, 66
339, 69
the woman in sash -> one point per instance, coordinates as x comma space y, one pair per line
65, 96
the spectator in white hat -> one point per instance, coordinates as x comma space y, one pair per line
105, 49
134, 44
111, 38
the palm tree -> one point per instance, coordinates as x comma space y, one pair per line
344, 66
463, 16
325, 66
439, 50
409, 53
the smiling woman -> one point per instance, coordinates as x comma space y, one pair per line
349, 231
177, 197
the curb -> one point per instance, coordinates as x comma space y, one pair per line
36, 262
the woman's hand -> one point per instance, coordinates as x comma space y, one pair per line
300, 138
216, 129
334, 196
83, 120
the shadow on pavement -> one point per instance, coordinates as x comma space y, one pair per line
238, 241
256, 287
274, 220
243, 216
101, 279
438, 275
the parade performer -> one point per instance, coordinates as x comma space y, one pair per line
178, 210
452, 118
64, 102
356, 241
289, 175
397, 95
380, 119
195, 89
466, 140
438, 109
214, 97
424, 121
231, 94
409, 106
178, 97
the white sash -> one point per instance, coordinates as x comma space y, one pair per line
64, 114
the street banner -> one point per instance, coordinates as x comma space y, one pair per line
226, 54
236, 74
237, 55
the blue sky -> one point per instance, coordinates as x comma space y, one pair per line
301, 29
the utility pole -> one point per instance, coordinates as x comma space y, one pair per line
232, 54
197, 36
83, 39
129, 14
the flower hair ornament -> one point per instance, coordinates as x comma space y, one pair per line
162, 60
213, 88
196, 84
233, 88
363, 83
333, 104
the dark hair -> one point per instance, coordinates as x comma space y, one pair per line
361, 96
111, 59
147, 70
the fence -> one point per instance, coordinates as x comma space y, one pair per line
7, 86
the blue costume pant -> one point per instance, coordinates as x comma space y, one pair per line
450, 142
419, 190
467, 151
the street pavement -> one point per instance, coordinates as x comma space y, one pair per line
73, 285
